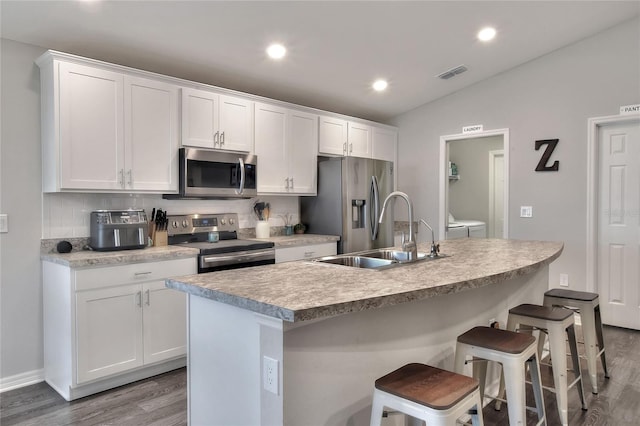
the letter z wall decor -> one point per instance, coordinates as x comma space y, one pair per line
542, 164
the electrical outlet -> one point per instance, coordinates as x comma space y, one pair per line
526, 211
270, 374
564, 280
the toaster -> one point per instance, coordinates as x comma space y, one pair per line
118, 230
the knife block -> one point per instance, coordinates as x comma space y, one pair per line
160, 238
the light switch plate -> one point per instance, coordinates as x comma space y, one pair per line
4, 223
526, 211
564, 280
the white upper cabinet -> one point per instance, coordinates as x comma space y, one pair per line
211, 120
151, 135
90, 117
342, 137
359, 140
286, 146
333, 136
384, 143
107, 131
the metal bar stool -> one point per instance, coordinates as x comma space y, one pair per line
438, 397
588, 306
513, 351
553, 322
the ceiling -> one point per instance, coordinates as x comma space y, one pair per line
335, 49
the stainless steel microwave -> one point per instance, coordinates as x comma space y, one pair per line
206, 173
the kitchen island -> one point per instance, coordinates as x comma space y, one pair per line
332, 330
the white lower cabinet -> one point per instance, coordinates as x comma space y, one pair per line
289, 254
112, 325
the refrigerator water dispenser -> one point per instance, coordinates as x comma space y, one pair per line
357, 214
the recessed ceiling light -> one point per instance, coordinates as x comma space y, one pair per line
276, 51
380, 85
487, 34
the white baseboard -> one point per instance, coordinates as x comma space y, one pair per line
21, 380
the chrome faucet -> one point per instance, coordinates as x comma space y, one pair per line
435, 248
408, 246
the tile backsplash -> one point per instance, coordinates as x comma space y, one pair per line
66, 215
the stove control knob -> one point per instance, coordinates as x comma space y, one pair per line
223, 221
174, 224
231, 221
185, 223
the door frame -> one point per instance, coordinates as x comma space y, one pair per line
444, 182
593, 180
492, 214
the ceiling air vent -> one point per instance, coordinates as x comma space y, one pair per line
452, 72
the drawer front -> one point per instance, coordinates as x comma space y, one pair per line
87, 279
289, 254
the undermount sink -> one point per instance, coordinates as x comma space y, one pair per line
396, 255
357, 261
375, 259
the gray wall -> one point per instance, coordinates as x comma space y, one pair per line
469, 196
21, 199
550, 97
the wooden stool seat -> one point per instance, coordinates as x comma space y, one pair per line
426, 385
497, 340
437, 396
541, 312
572, 294
587, 305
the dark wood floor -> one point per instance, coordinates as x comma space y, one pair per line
161, 400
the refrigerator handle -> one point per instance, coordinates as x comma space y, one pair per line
374, 200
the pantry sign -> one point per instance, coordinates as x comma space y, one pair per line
629, 109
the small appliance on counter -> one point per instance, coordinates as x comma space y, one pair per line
118, 230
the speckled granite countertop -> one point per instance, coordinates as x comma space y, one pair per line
300, 240
87, 258
304, 290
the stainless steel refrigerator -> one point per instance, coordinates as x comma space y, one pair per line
350, 196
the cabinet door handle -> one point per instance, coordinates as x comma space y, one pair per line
309, 253
350, 148
216, 138
287, 183
141, 274
291, 180
121, 181
139, 299
221, 138
148, 297
344, 148
130, 173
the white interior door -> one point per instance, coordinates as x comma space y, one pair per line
618, 231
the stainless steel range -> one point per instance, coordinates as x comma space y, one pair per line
216, 236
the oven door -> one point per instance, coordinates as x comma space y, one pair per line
212, 174
235, 260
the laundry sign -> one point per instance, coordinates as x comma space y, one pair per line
629, 109
472, 129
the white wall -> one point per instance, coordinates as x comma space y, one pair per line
550, 97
